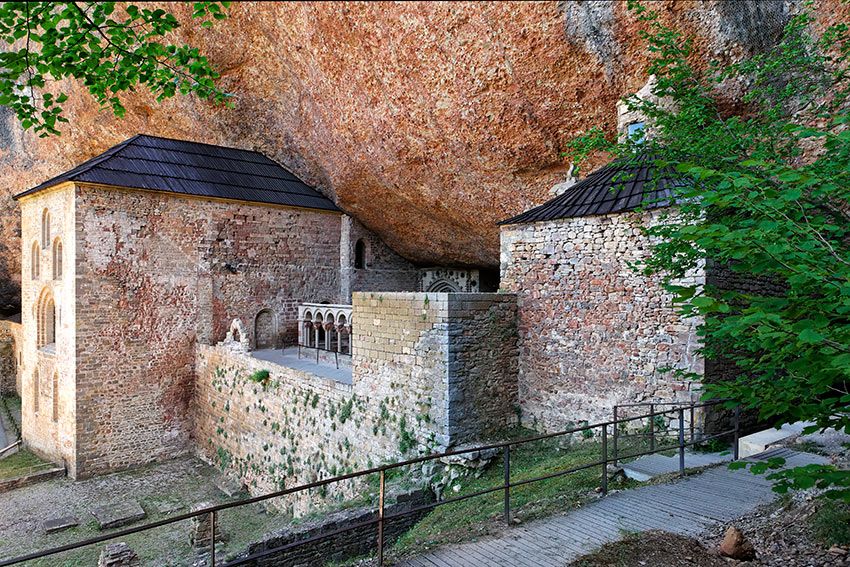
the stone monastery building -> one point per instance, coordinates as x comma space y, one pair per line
179, 296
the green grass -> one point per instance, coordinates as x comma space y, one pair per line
830, 524
21, 463
463, 520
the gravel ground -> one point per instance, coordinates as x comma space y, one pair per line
173, 485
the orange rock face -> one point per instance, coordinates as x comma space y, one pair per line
429, 122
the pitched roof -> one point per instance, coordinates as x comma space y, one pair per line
192, 168
622, 185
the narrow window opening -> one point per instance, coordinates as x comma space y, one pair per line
360, 254
35, 391
57, 259
35, 261
55, 396
45, 228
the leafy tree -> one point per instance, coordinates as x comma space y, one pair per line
108, 49
769, 200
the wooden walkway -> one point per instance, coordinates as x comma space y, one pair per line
686, 506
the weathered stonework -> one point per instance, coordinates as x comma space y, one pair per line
464, 343
145, 276
11, 347
48, 388
424, 378
383, 269
593, 332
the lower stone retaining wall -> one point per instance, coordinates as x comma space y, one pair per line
294, 429
430, 371
350, 544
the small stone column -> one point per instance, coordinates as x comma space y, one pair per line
118, 555
201, 536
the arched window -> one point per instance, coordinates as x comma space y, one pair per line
45, 228
443, 286
35, 269
55, 396
57, 259
360, 254
35, 391
46, 322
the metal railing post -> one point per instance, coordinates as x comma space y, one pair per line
692, 422
212, 539
737, 432
507, 462
604, 459
381, 484
652, 427
681, 441
616, 435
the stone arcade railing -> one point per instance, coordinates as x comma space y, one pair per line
325, 326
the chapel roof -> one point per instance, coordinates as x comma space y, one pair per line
622, 185
192, 168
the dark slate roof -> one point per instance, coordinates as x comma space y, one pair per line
622, 185
192, 168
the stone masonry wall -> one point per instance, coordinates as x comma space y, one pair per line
453, 352
11, 345
48, 388
592, 332
429, 371
158, 272
483, 364
293, 430
385, 270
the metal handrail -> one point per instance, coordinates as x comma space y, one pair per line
10, 447
381, 518
320, 349
651, 434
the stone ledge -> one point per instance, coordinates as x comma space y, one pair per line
32, 478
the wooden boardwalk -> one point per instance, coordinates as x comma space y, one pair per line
686, 506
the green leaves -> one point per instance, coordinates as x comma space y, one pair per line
766, 220
110, 50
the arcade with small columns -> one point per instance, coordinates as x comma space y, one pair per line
325, 326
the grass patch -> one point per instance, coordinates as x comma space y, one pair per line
830, 524
21, 463
461, 521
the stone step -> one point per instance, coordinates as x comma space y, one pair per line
650, 466
761, 441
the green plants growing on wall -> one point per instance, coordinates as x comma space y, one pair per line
260, 377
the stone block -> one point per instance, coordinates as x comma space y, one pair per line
54, 525
118, 555
118, 514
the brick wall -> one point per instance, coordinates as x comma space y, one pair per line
158, 272
592, 332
